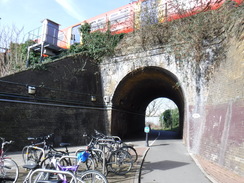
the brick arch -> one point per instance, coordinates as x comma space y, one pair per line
133, 94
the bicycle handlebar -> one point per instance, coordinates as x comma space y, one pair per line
6, 142
41, 138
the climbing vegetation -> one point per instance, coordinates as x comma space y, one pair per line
188, 37
96, 44
200, 41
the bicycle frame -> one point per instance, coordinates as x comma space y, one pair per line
11, 166
61, 168
44, 149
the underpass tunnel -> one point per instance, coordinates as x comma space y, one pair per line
135, 92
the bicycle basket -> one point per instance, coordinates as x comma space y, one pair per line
83, 156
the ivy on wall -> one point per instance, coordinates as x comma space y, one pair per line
96, 44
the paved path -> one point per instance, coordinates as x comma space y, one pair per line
167, 161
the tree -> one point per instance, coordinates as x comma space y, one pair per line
157, 106
154, 107
11, 54
175, 117
170, 118
167, 118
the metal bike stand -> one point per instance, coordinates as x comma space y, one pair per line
38, 148
99, 150
53, 171
104, 159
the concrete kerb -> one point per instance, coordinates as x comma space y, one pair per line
141, 161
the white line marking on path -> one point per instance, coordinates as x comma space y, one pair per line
154, 139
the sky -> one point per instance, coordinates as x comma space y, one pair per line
162, 105
28, 14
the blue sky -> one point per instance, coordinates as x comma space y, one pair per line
28, 14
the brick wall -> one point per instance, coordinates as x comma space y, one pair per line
222, 141
62, 104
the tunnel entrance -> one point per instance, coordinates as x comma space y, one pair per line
135, 92
162, 114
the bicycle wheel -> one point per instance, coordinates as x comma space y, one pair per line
46, 164
132, 152
24, 154
98, 161
91, 176
120, 162
9, 170
89, 164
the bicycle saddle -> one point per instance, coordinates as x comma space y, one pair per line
31, 167
64, 144
49, 181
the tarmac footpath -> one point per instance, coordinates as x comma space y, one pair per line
168, 161
165, 160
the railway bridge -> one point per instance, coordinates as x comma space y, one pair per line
75, 95
208, 93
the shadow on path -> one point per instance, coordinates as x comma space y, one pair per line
162, 165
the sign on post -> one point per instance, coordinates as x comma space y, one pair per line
147, 129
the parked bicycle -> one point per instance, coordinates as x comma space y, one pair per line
37, 163
107, 157
54, 167
9, 170
87, 164
40, 149
35, 152
87, 176
117, 143
35, 175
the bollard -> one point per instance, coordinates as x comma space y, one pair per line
147, 130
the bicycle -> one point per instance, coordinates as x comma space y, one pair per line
86, 176
117, 161
9, 170
88, 164
34, 152
39, 151
108, 158
37, 164
117, 143
30, 178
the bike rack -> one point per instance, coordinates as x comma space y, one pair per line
104, 158
53, 171
38, 148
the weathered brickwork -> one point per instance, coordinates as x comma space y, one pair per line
19, 121
62, 104
222, 141
217, 173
